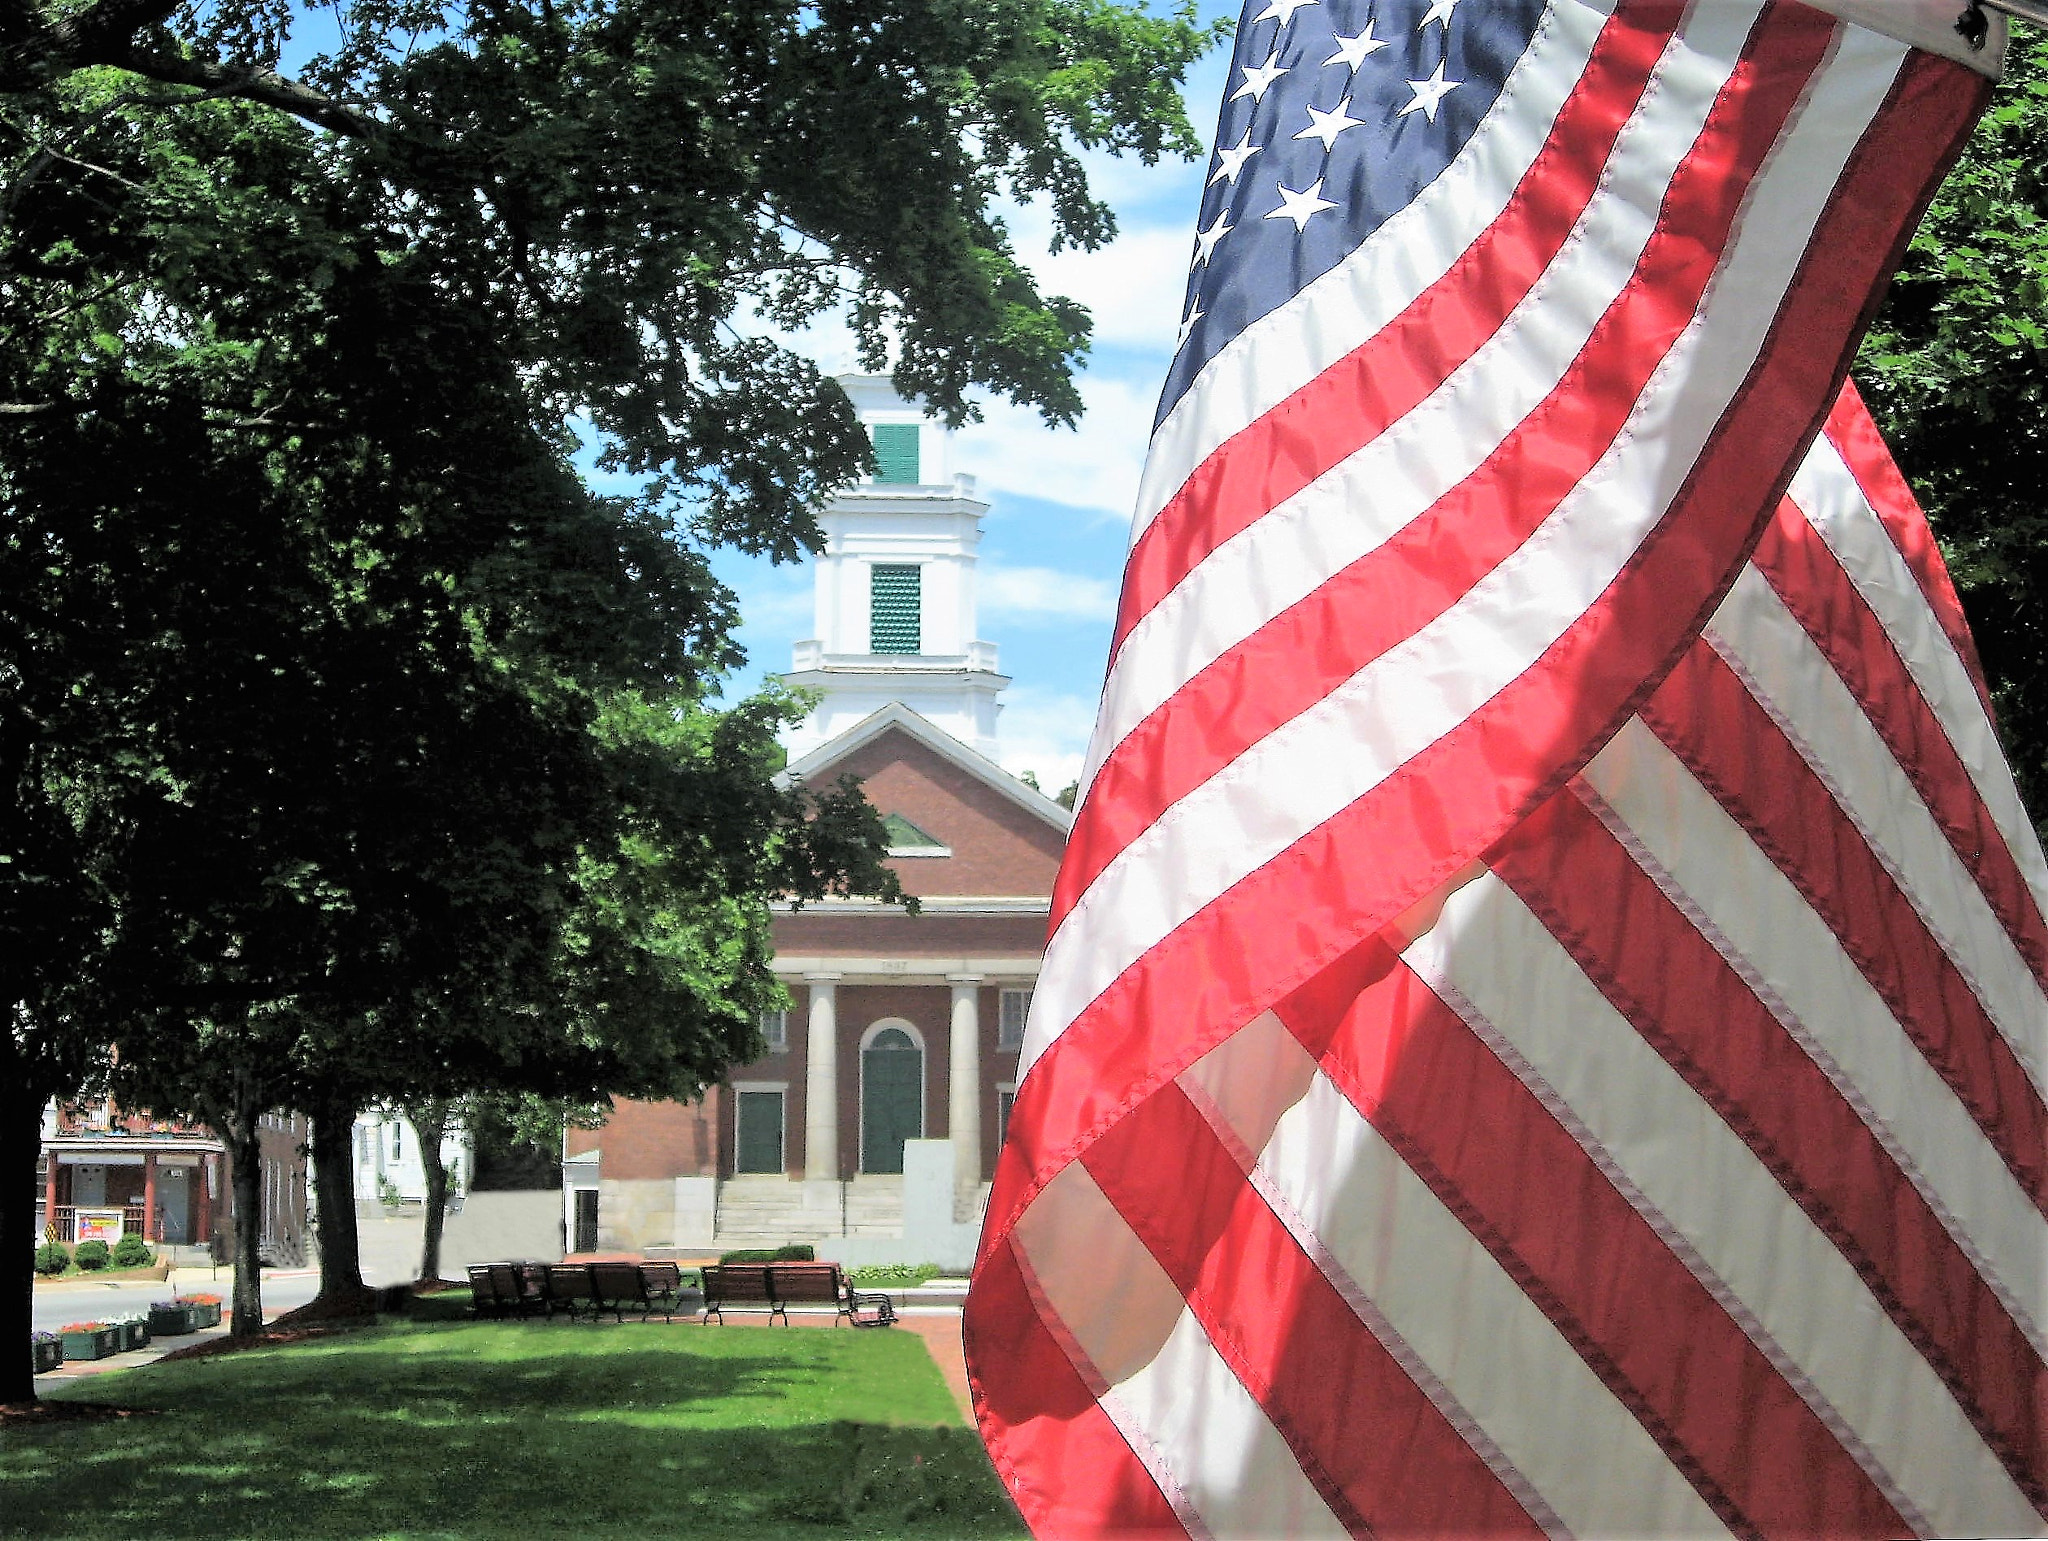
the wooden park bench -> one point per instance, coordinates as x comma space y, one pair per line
642, 1287
570, 1289
775, 1287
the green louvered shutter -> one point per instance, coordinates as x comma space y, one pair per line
896, 454
895, 608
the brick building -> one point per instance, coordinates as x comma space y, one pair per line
106, 1171
871, 1126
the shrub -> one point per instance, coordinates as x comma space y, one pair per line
901, 1276
52, 1258
131, 1251
795, 1252
91, 1255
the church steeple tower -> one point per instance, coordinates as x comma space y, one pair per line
894, 603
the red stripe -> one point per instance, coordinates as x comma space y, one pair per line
1711, 722
1809, 578
1313, 647
1379, 1451
1281, 924
1528, 1192
1863, 450
1353, 401
1069, 1470
1691, 1006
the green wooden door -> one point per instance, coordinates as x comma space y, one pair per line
891, 1099
760, 1133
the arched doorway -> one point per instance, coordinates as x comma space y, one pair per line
891, 1094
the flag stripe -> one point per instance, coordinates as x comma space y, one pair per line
1658, 971
1798, 964
1404, 363
1782, 666
1752, 911
1438, 550
1971, 798
1650, 1329
1204, 1439
1070, 1470
1316, 1370
1709, 720
1399, 1257
1515, 663
1284, 350
1853, 438
1781, 1275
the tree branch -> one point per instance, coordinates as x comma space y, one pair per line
252, 83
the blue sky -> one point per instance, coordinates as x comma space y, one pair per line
1054, 540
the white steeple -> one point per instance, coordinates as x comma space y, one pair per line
894, 616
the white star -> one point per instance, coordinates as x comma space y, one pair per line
1352, 50
1257, 80
1303, 206
1326, 126
1205, 240
1439, 10
1428, 93
1284, 9
1187, 327
1230, 159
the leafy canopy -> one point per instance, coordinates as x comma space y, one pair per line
1955, 370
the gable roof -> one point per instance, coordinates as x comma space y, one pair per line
901, 718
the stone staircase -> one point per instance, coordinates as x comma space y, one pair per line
768, 1211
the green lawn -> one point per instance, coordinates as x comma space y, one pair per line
518, 1429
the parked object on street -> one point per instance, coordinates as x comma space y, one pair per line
90, 1340
171, 1318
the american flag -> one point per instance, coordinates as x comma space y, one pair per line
1544, 1023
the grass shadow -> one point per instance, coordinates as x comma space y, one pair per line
519, 1429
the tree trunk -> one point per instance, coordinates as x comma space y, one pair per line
239, 1131
334, 1179
21, 1141
430, 1122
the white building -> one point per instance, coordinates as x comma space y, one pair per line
388, 1166
895, 589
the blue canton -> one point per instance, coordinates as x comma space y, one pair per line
1335, 115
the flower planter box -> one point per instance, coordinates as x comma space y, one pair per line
205, 1313
134, 1333
97, 1344
171, 1321
48, 1353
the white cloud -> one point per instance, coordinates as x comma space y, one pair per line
1026, 594
1095, 465
1045, 732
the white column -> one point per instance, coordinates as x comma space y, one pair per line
821, 1081
963, 1108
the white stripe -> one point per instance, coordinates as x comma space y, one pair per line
1145, 1358
1846, 1355
1342, 1191
1826, 492
1372, 495
1765, 644
1226, 1456
1285, 349
1801, 973
1363, 732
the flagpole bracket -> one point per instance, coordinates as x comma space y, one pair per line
1975, 26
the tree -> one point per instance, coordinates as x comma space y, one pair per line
624, 189
331, 552
1955, 370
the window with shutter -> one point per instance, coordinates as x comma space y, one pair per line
1015, 1008
896, 453
895, 608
